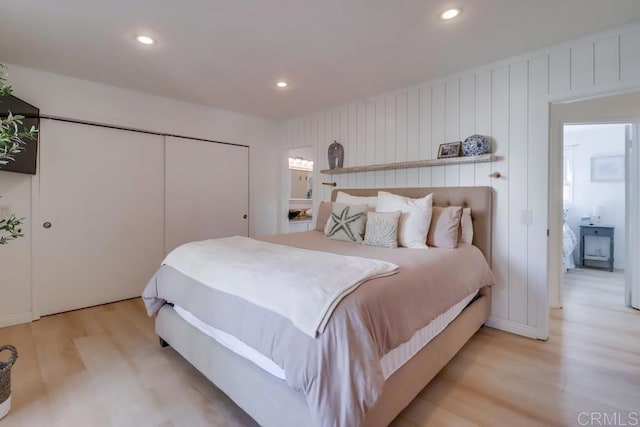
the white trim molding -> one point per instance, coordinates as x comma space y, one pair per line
15, 319
514, 328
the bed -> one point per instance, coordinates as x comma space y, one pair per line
272, 400
569, 243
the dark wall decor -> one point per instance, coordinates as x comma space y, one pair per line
336, 155
25, 161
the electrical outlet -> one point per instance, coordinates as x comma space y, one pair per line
5, 212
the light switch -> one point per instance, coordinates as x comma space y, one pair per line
526, 217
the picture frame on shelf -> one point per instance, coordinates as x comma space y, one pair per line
449, 149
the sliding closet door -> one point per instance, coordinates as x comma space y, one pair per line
98, 231
207, 190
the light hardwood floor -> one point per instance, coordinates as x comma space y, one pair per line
103, 366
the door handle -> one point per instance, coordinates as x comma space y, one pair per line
244, 216
47, 225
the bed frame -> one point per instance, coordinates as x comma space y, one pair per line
271, 402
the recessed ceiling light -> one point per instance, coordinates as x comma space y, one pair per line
282, 84
145, 40
450, 14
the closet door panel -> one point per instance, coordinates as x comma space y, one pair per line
99, 229
206, 190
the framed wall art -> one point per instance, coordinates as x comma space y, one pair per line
607, 168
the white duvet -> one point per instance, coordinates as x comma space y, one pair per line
302, 285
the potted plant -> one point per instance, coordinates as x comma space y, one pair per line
12, 142
13, 139
5, 379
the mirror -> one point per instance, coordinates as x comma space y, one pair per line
300, 184
301, 173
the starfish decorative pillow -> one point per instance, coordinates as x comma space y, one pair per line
347, 222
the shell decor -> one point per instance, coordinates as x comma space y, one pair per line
475, 145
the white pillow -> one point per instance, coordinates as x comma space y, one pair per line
467, 227
348, 199
415, 219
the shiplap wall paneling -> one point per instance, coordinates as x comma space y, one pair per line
345, 140
425, 134
630, 56
467, 124
508, 102
369, 141
390, 139
500, 245
413, 128
324, 143
482, 110
379, 139
607, 61
537, 172
360, 132
317, 162
517, 196
401, 134
560, 72
438, 99
345, 180
582, 66
452, 128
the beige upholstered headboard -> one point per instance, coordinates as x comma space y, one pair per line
476, 198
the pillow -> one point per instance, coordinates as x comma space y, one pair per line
346, 222
348, 199
382, 229
324, 212
445, 226
414, 222
467, 227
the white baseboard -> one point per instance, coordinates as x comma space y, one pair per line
15, 319
555, 303
513, 327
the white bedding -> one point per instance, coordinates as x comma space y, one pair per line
569, 243
252, 270
391, 362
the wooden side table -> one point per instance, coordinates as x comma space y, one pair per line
587, 260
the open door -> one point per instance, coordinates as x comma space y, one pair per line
632, 271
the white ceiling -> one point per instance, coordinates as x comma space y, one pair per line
229, 54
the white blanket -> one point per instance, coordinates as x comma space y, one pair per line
302, 285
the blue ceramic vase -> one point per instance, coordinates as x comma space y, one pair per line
475, 145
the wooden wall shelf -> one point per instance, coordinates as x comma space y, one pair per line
484, 158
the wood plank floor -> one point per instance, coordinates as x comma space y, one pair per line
103, 366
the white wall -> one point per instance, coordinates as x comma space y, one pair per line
508, 101
585, 142
67, 97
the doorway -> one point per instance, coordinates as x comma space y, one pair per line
593, 213
590, 216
